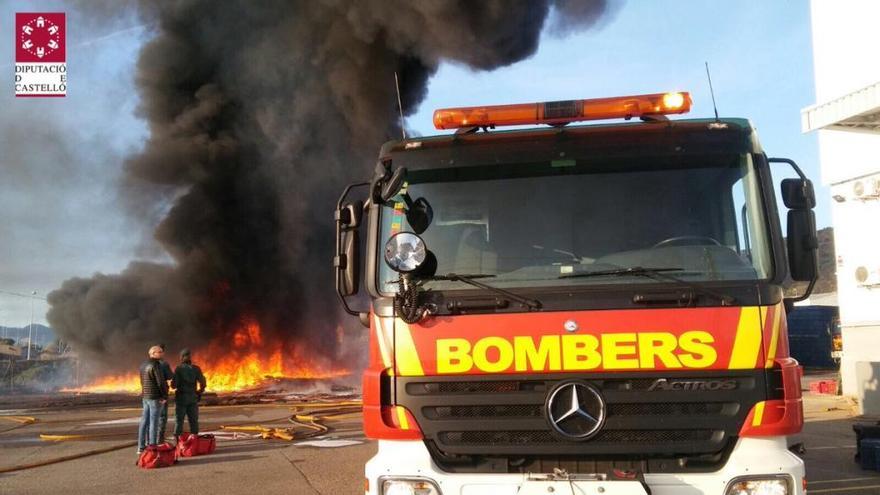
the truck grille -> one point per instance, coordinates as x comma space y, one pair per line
536, 410
527, 437
501, 416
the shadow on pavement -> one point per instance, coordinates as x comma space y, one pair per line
830, 449
213, 458
250, 447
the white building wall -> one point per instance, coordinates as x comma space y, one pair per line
844, 46
846, 54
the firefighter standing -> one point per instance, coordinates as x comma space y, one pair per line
190, 383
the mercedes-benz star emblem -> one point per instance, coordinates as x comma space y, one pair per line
575, 410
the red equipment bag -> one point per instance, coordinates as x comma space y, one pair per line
205, 444
157, 456
189, 445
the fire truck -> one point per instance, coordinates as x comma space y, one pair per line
579, 309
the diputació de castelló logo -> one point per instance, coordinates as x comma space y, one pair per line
40, 54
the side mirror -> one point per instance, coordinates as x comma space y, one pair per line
803, 245
350, 215
385, 186
419, 214
349, 272
798, 194
801, 239
347, 259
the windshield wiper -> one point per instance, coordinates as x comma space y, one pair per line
470, 280
635, 270
656, 274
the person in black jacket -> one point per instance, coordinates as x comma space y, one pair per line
163, 411
190, 383
154, 392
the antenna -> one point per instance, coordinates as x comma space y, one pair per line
400, 105
711, 91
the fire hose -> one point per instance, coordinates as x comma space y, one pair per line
65, 438
313, 420
22, 467
21, 420
27, 420
71, 437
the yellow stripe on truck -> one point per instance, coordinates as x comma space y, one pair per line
748, 339
401, 417
759, 414
774, 337
382, 339
408, 362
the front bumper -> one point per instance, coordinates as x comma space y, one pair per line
750, 456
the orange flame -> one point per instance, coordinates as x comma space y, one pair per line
129, 383
243, 363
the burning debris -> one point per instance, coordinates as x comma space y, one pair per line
246, 362
259, 112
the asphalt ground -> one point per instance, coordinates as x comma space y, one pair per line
333, 465
830, 444
242, 463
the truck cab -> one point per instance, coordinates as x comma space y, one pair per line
585, 309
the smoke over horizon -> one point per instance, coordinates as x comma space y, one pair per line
259, 113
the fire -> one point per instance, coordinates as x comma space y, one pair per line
129, 383
239, 363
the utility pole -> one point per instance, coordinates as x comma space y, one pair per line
31, 331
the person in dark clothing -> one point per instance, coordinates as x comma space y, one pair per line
190, 383
154, 393
163, 411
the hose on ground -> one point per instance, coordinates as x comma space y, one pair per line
65, 438
22, 467
312, 420
27, 420
305, 416
21, 420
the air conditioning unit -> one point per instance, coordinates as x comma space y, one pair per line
866, 189
868, 277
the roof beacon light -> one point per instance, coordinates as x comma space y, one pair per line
563, 112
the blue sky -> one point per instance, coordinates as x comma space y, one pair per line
61, 160
759, 54
60, 216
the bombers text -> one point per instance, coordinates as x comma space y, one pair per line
613, 351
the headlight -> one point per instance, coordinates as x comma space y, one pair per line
405, 252
764, 485
411, 486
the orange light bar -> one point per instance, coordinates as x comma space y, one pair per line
563, 112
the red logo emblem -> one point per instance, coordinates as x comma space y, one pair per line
40, 37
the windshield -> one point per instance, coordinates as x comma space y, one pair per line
537, 224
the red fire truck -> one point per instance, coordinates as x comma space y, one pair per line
593, 309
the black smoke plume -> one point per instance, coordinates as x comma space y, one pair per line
259, 113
